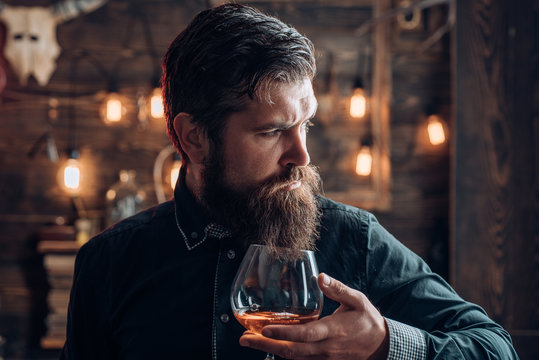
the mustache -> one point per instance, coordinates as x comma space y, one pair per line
308, 175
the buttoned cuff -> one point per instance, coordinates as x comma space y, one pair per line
405, 342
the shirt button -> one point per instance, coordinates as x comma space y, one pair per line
224, 318
231, 254
194, 235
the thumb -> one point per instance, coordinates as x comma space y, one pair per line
336, 290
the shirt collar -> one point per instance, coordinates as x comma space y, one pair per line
192, 222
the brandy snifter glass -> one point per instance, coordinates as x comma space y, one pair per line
276, 287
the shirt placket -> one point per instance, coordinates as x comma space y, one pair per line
225, 330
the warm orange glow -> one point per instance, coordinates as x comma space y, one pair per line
72, 176
364, 161
113, 109
156, 104
174, 173
358, 104
111, 194
435, 129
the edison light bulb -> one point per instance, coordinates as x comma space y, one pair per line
113, 109
174, 173
72, 175
358, 103
156, 104
364, 161
435, 129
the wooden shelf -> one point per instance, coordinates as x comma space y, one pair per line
57, 246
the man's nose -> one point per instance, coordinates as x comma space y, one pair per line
296, 153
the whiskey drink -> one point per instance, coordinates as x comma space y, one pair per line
255, 321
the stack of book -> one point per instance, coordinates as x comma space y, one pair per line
59, 247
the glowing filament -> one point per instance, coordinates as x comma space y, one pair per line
112, 109
364, 161
156, 104
358, 104
72, 175
435, 130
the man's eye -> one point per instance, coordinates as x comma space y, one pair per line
271, 133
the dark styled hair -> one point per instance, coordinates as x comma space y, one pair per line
225, 56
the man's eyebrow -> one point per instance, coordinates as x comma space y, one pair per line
284, 124
276, 125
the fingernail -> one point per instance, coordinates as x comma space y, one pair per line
244, 342
267, 333
325, 280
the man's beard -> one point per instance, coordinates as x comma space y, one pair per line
268, 214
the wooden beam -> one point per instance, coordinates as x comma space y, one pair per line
335, 3
495, 238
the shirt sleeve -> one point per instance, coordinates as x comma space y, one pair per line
86, 335
406, 291
405, 342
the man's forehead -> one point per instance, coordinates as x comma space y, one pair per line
293, 99
300, 90
267, 92
284, 103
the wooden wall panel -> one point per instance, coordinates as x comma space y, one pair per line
495, 186
30, 196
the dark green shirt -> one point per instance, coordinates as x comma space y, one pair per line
157, 286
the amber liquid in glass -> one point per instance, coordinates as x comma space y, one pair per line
255, 321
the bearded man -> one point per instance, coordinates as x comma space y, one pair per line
238, 95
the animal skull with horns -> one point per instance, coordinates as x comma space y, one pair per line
31, 46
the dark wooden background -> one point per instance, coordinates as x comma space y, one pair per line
423, 186
495, 189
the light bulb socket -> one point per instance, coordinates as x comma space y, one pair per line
358, 82
73, 154
112, 86
366, 141
433, 107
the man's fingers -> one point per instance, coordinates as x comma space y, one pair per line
311, 332
336, 290
284, 349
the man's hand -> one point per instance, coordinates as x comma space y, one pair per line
356, 330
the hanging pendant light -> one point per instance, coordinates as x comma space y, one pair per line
156, 104
435, 129
364, 161
435, 125
72, 173
113, 108
364, 158
358, 100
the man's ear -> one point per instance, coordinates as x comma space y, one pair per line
192, 138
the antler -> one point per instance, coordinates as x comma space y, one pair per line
69, 9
